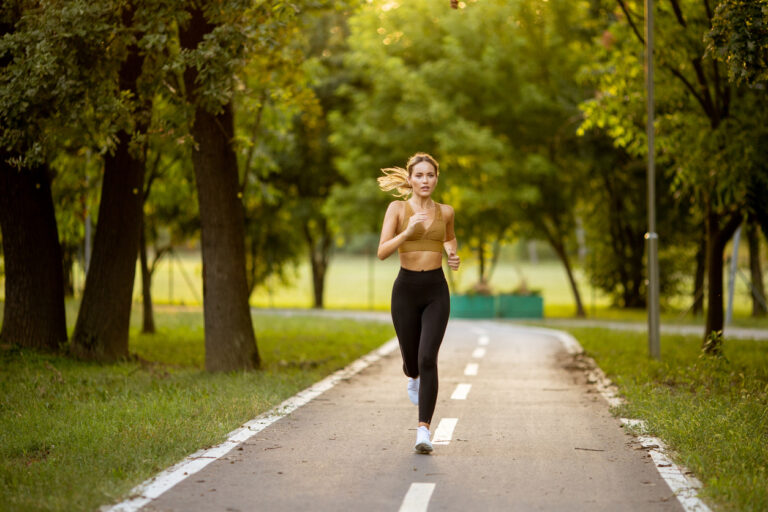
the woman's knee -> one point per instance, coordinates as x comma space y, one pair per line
427, 362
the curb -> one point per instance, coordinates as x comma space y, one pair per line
679, 479
163, 481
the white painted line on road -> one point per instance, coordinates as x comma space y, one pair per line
683, 486
444, 431
478, 330
157, 485
471, 369
461, 392
478, 353
483, 340
417, 497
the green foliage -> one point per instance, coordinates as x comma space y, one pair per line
288, 167
705, 131
57, 76
502, 126
615, 221
171, 214
710, 411
739, 38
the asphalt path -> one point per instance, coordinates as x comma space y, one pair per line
530, 434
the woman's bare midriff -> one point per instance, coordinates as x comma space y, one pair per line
421, 260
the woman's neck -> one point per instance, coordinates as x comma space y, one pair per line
422, 203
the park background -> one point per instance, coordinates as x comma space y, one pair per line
141, 139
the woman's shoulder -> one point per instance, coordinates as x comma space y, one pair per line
397, 207
446, 209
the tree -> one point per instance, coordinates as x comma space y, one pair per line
169, 201
33, 315
41, 88
701, 124
213, 45
101, 331
274, 92
501, 126
307, 173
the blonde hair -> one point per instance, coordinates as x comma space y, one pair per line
397, 177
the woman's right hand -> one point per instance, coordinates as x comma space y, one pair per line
415, 220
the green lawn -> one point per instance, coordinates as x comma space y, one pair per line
76, 435
712, 412
360, 282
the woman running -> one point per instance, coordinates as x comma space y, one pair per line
419, 229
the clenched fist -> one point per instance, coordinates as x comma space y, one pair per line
453, 261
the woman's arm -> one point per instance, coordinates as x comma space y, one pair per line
451, 245
389, 242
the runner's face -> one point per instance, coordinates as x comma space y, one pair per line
423, 179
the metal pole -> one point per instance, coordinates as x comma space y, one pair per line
732, 275
654, 343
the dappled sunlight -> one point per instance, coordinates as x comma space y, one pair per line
389, 6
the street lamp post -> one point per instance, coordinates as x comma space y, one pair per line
654, 344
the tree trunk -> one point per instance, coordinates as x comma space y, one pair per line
101, 331
230, 342
148, 317
559, 249
33, 314
481, 260
495, 253
318, 257
717, 238
572, 280
756, 270
698, 281
318, 280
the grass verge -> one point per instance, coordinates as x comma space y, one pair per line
712, 412
77, 435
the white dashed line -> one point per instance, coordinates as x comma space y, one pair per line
461, 392
478, 353
444, 431
483, 340
478, 330
471, 369
417, 497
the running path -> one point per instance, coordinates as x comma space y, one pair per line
520, 432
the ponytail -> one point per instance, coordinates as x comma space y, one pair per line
395, 178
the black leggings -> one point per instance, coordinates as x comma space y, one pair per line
420, 307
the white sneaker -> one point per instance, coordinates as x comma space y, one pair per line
422, 440
413, 390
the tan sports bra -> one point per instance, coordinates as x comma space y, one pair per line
423, 239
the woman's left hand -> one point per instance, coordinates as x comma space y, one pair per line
454, 261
